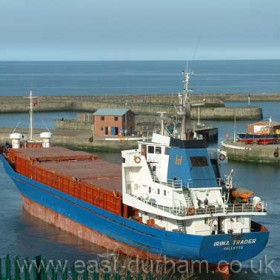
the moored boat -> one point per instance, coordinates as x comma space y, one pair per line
262, 133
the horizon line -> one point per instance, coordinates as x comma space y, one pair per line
142, 60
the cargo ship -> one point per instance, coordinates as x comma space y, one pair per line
166, 199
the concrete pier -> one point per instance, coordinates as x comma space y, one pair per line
144, 104
252, 152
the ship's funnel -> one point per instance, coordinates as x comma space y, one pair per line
15, 137
46, 139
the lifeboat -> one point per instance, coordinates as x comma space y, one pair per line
241, 194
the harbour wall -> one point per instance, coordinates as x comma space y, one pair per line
206, 113
74, 125
213, 108
75, 139
90, 103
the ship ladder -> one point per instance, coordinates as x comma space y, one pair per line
187, 195
154, 177
181, 226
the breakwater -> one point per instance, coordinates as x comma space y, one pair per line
213, 108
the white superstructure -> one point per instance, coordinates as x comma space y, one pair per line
176, 184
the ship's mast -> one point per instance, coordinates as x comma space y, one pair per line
31, 115
31, 112
161, 122
185, 108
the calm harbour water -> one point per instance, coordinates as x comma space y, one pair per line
24, 235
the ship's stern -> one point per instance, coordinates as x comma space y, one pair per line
232, 248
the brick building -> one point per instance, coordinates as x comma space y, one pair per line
114, 122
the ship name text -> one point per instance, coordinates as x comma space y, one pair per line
236, 242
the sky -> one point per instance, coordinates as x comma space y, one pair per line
139, 29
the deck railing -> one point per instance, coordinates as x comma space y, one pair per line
211, 209
174, 183
178, 183
192, 183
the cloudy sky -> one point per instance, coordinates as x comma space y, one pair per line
139, 30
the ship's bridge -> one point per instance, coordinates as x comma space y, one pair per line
192, 166
182, 163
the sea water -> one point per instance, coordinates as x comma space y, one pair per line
138, 77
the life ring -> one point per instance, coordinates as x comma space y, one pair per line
190, 211
222, 157
259, 207
276, 154
137, 159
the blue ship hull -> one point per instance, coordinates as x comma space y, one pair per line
213, 248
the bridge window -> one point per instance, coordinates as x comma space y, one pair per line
151, 149
158, 150
199, 161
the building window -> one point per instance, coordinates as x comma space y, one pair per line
150, 189
151, 149
158, 150
166, 151
164, 192
154, 168
116, 118
102, 118
101, 128
158, 191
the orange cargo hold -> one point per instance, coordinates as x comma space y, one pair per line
76, 173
